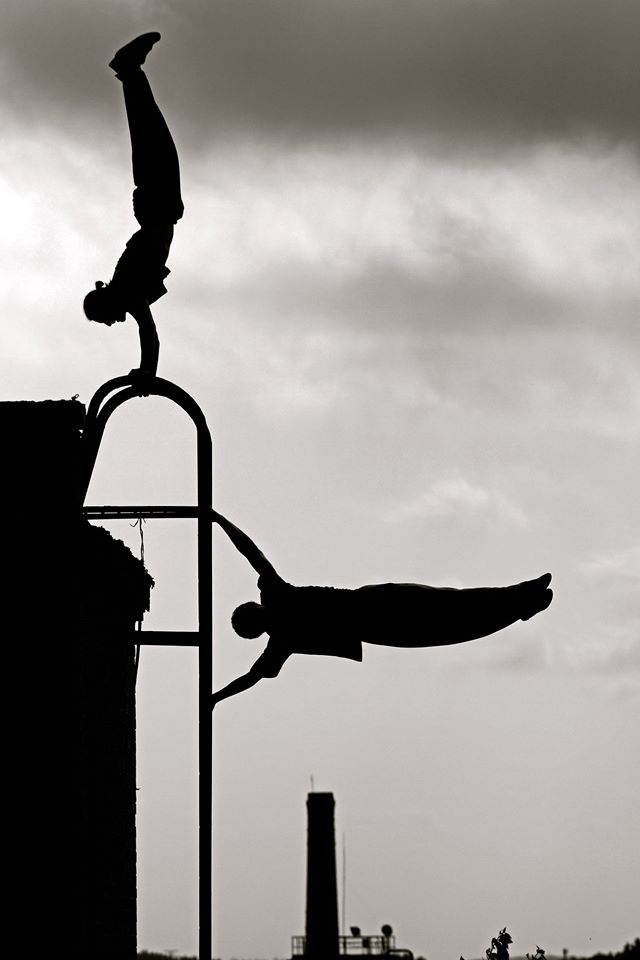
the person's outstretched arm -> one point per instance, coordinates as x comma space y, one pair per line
268, 664
149, 343
245, 545
244, 682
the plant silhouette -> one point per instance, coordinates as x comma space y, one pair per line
499, 949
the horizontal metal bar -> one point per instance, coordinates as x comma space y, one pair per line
132, 513
168, 638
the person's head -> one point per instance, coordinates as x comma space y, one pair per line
249, 620
101, 306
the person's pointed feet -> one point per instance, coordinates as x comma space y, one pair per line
134, 53
536, 595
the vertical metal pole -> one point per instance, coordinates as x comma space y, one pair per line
205, 672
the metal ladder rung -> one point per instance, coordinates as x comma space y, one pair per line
133, 512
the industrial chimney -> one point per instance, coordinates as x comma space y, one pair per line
321, 933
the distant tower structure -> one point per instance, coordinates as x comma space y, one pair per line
321, 940
321, 933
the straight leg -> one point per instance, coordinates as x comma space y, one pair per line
416, 615
156, 170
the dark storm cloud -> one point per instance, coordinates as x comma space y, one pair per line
509, 70
52, 61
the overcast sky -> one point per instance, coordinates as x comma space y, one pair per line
405, 291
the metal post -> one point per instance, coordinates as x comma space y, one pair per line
99, 411
205, 684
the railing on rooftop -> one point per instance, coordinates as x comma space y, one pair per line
362, 946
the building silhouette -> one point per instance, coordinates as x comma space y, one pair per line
72, 595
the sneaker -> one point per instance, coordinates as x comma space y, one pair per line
134, 53
538, 595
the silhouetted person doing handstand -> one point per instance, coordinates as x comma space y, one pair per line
138, 278
334, 622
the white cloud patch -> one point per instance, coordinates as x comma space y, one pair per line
293, 378
601, 648
591, 384
565, 221
386, 238
457, 496
598, 634
619, 564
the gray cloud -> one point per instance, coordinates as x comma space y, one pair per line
49, 56
480, 70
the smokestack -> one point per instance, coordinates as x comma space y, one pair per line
322, 892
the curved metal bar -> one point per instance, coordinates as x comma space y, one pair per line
91, 440
98, 414
94, 429
102, 392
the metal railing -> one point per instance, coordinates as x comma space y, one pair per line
100, 409
360, 946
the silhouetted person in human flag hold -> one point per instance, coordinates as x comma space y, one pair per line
138, 278
334, 622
